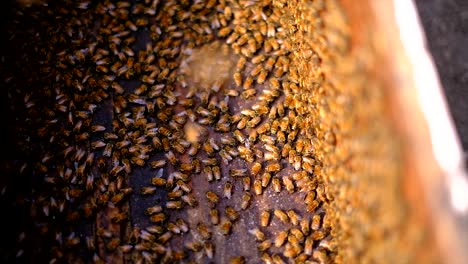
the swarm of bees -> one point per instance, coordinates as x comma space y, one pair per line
134, 151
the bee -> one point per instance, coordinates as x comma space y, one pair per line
208, 173
232, 214
97, 144
316, 220
165, 237
172, 158
265, 245
256, 167
305, 226
241, 64
175, 194
264, 218
242, 123
276, 184
262, 76
204, 231
183, 186
246, 199
237, 172
216, 172
253, 136
174, 205
153, 210
256, 70
182, 225
212, 197
194, 246
238, 78
259, 235
254, 122
174, 228
158, 218
225, 227
248, 83
237, 260
247, 94
246, 183
156, 164
273, 167
318, 235
308, 246
148, 190
281, 216
258, 187
288, 184
233, 37
263, 128
281, 238
227, 190
312, 206
214, 216
239, 136
310, 198
298, 234
246, 154
224, 32
209, 250
291, 251
190, 200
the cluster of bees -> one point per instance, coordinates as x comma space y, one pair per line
134, 154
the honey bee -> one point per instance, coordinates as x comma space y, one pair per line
248, 83
262, 76
212, 197
256, 70
237, 260
281, 216
246, 183
246, 154
258, 187
214, 216
246, 199
174, 205
232, 214
264, 218
253, 136
165, 237
182, 225
148, 190
273, 167
227, 190
241, 64
175, 194
216, 172
153, 210
190, 200
316, 220
305, 226
239, 136
208, 173
157, 218
318, 235
225, 227
312, 206
276, 184
281, 238
172, 158
238, 78
156, 164
265, 245
204, 231
259, 235
237, 172
288, 184
298, 234
249, 93
232, 38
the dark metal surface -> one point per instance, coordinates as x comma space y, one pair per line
446, 26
